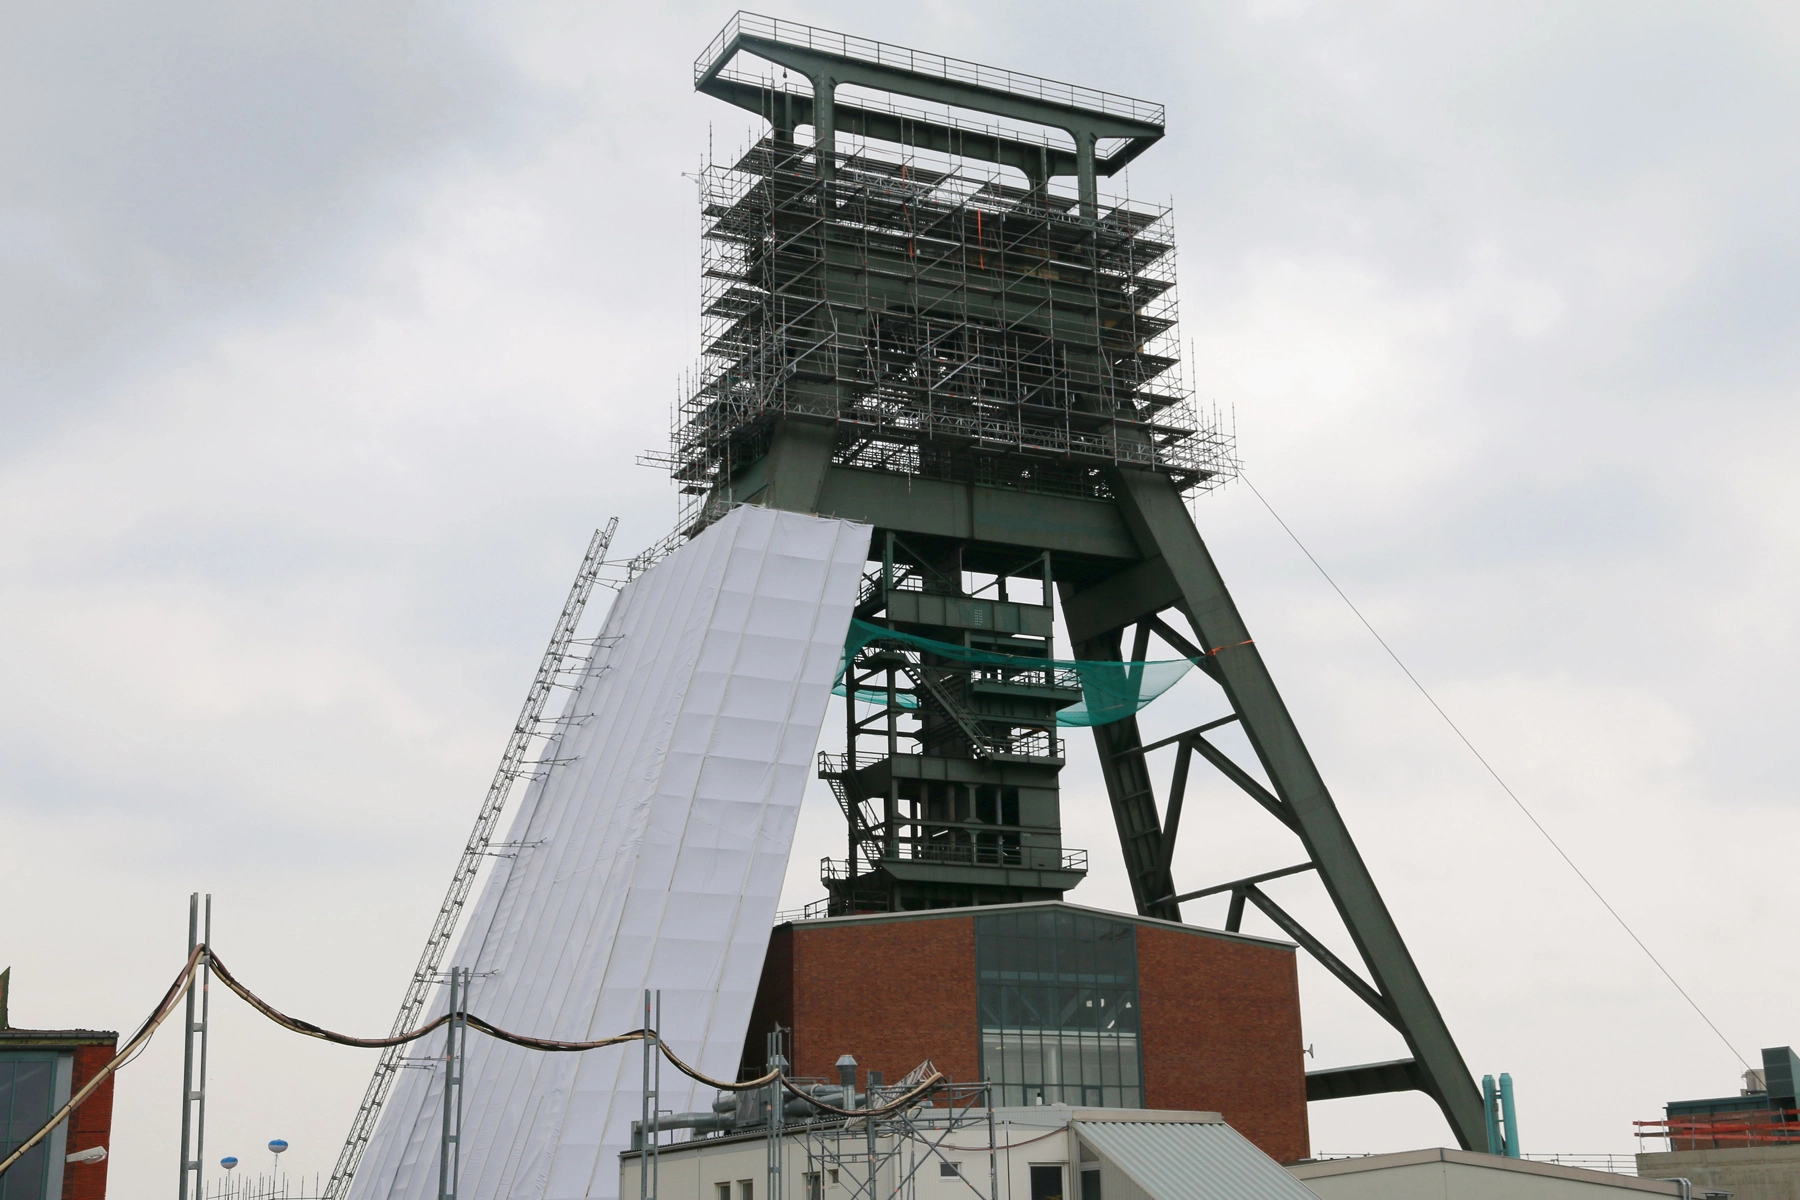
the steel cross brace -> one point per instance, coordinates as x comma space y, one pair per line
1313, 946
1177, 570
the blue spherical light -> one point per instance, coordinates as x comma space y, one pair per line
278, 1145
228, 1162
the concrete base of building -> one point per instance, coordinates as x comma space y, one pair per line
1747, 1172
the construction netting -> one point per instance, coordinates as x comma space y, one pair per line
1110, 691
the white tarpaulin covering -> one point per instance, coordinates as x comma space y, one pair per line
651, 855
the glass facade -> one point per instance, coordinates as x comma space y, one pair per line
27, 1098
1057, 993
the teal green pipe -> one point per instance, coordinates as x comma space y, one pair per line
1490, 1101
1507, 1114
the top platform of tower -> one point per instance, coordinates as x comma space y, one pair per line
1104, 131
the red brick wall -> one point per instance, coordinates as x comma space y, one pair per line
90, 1125
774, 999
1221, 1029
1220, 1017
891, 993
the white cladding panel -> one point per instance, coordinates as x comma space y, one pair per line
650, 856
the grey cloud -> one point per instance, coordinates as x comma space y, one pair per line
172, 162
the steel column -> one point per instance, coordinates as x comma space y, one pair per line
1163, 527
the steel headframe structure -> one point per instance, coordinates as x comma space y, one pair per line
908, 323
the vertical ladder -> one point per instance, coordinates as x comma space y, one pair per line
512, 766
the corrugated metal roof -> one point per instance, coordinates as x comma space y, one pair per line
1191, 1161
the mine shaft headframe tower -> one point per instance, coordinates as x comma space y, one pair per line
987, 375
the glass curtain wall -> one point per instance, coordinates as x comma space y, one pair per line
1059, 1009
27, 1098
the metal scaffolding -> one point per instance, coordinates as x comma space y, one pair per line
882, 1157
948, 323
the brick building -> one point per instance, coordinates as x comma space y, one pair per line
39, 1070
1055, 1004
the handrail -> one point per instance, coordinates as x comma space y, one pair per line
920, 62
1744, 1127
1035, 858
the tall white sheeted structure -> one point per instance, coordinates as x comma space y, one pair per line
651, 855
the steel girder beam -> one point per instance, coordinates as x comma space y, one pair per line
1163, 529
1238, 885
828, 69
819, 63
1346, 975
1133, 797
1366, 1079
1035, 160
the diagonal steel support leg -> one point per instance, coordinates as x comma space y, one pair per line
1159, 522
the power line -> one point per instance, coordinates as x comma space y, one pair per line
1489, 767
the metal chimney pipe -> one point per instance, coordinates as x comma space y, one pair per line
846, 1069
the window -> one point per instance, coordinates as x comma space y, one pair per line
1057, 993
831, 1174
724, 1191
1046, 1181
31, 1088
814, 1189
1090, 1183
949, 1170
746, 1189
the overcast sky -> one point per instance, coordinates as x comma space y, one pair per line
328, 334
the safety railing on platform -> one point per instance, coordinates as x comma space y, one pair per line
920, 62
1618, 1164
1034, 858
812, 911
1714, 1131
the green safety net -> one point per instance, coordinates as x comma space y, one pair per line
1110, 691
